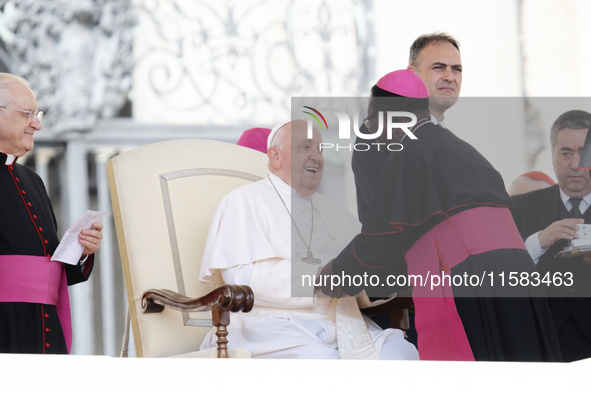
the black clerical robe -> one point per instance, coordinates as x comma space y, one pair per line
434, 178
367, 166
28, 228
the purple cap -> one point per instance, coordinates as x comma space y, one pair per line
255, 138
404, 83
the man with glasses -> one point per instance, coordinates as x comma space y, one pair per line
34, 304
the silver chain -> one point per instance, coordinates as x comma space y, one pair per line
294, 224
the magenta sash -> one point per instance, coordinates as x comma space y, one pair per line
32, 279
441, 335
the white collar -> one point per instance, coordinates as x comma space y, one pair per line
281, 186
10, 159
438, 123
284, 189
565, 198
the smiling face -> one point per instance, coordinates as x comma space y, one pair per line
566, 154
440, 66
16, 131
298, 160
307, 162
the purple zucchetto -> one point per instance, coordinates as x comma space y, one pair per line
405, 83
255, 138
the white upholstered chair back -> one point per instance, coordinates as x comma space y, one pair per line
164, 196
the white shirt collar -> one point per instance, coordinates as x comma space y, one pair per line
439, 123
585, 203
10, 159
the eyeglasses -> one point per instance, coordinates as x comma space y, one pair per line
368, 118
32, 114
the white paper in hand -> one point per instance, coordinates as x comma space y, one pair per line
70, 250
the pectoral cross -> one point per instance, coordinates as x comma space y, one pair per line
309, 259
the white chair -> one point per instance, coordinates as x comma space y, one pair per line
164, 196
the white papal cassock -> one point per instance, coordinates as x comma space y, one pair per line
250, 243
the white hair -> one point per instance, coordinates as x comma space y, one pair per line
6, 78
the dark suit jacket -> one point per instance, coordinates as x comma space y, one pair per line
533, 212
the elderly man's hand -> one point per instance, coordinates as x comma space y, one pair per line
328, 289
563, 229
91, 238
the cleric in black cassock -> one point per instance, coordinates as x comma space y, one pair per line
34, 307
446, 207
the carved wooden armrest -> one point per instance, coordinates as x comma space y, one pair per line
221, 301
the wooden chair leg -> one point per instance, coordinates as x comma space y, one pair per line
399, 318
221, 319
